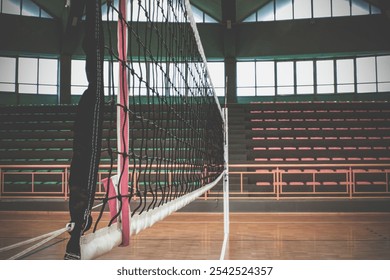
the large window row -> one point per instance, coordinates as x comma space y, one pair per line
322, 76
157, 79
299, 9
29, 75
136, 11
22, 8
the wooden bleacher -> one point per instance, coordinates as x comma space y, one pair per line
277, 149
311, 148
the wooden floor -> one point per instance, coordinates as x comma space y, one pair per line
186, 236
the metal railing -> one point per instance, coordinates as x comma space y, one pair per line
249, 181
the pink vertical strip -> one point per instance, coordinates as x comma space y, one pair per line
112, 203
123, 125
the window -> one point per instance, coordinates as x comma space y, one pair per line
217, 74
28, 75
201, 16
322, 8
111, 77
325, 76
246, 73
136, 12
366, 74
8, 74
383, 68
305, 77
22, 8
360, 7
265, 78
302, 9
284, 9
299, 9
267, 13
285, 77
341, 8
345, 75
79, 82
38, 76
48, 76
11, 7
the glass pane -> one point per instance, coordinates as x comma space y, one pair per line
285, 77
45, 15
77, 90
266, 13
28, 88
360, 7
383, 66
245, 74
246, 91
11, 7
198, 14
321, 8
345, 88
111, 76
304, 73
384, 87
217, 73
7, 69
305, 77
284, 9
325, 76
7, 87
285, 72
305, 89
345, 75
48, 71
220, 91
366, 70
112, 14
47, 89
325, 89
251, 18
209, 19
78, 76
367, 87
266, 91
265, 73
28, 70
366, 74
285, 90
325, 72
30, 9
302, 9
341, 8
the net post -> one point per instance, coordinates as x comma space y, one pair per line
226, 208
123, 125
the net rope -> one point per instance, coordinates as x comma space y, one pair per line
176, 137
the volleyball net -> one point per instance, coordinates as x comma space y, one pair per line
164, 114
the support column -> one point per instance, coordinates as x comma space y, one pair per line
229, 19
65, 67
231, 79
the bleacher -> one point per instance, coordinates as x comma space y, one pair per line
277, 149
311, 148
36, 146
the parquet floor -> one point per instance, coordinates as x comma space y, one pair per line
186, 236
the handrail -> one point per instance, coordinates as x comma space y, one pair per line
352, 182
